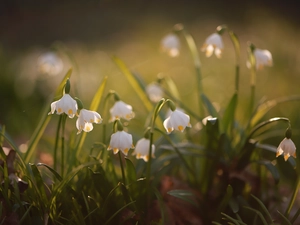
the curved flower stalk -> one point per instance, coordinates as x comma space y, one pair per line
68, 106
171, 45
258, 58
179, 28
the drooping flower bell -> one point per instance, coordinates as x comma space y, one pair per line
171, 45
263, 58
259, 57
213, 43
86, 118
154, 91
142, 147
120, 140
121, 110
286, 146
66, 104
177, 120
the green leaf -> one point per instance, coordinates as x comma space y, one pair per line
39, 184
134, 83
285, 220
172, 87
260, 215
57, 176
185, 195
225, 200
43, 122
209, 106
236, 43
263, 108
130, 171
273, 170
228, 117
264, 208
235, 221
94, 106
117, 212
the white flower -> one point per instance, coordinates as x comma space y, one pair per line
213, 43
65, 105
86, 119
142, 149
120, 141
171, 45
154, 91
287, 148
177, 120
262, 58
121, 110
50, 63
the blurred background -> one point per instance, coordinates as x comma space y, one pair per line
41, 40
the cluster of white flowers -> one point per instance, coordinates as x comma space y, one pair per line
214, 44
122, 141
69, 106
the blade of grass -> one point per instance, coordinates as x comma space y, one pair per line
260, 215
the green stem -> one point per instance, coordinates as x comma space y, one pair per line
272, 120
56, 142
252, 99
122, 168
294, 196
197, 63
237, 77
63, 144
236, 45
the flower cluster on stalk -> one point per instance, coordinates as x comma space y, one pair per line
66, 104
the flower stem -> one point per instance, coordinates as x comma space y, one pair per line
56, 143
63, 144
295, 193
197, 63
236, 45
122, 168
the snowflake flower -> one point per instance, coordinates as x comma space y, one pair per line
142, 149
171, 45
177, 120
262, 58
213, 43
86, 119
121, 110
287, 148
154, 91
65, 105
120, 141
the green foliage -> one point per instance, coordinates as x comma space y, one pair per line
217, 171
